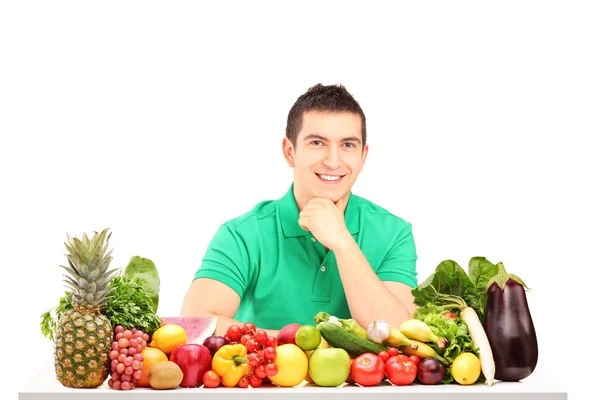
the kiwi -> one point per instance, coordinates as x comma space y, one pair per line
165, 375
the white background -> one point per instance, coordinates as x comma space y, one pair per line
163, 120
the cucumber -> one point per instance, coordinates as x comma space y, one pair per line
336, 336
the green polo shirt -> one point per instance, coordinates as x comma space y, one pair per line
284, 275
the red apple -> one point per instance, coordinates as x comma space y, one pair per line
287, 334
194, 360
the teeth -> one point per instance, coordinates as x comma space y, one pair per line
330, 177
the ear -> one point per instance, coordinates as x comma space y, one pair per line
364, 156
288, 152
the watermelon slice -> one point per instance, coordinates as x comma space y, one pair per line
197, 329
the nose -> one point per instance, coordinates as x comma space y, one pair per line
332, 160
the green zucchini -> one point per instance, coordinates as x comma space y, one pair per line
336, 336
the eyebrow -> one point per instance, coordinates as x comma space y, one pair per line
324, 139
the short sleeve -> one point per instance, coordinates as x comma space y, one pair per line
400, 262
226, 260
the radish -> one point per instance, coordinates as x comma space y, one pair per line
477, 333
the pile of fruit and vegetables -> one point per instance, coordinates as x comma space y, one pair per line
471, 327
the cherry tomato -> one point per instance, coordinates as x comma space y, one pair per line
249, 328
384, 355
253, 359
234, 332
255, 381
251, 346
271, 369
392, 351
400, 370
271, 342
244, 382
367, 369
415, 359
245, 339
260, 371
211, 379
448, 314
260, 337
270, 353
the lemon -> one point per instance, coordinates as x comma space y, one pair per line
167, 337
466, 368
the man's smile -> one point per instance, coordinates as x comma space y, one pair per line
330, 179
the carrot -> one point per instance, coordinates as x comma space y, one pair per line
478, 335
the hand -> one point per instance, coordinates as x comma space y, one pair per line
325, 220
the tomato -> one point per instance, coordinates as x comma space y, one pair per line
415, 359
270, 353
448, 314
260, 371
384, 355
368, 369
271, 369
249, 327
400, 370
261, 337
392, 351
244, 382
211, 379
234, 332
255, 381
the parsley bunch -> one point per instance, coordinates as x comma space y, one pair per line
129, 305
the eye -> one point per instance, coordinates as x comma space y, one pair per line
349, 145
316, 142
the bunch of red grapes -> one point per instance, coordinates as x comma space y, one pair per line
126, 357
261, 352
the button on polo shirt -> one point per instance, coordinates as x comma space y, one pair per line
284, 275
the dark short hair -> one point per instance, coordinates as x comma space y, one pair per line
332, 98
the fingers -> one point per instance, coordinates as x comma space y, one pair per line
303, 222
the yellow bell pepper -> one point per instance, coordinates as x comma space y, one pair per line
231, 364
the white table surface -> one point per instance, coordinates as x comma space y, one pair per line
539, 385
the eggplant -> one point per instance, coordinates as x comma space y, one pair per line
509, 327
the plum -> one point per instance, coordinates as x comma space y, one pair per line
214, 343
431, 371
287, 334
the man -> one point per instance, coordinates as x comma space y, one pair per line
319, 247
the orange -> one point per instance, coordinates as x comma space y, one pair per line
151, 357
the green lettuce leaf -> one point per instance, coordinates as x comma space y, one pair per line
448, 278
480, 272
144, 270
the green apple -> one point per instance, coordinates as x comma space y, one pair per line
329, 366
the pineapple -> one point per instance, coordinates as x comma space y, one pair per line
84, 336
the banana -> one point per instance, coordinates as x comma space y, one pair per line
422, 350
419, 330
396, 339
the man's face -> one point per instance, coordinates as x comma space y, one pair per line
328, 156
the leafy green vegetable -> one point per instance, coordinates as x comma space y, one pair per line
145, 270
51, 317
448, 278
480, 272
456, 331
129, 305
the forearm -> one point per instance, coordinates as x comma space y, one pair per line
368, 297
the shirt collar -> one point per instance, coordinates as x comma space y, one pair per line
289, 214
